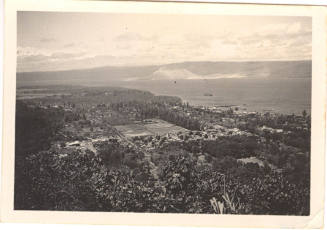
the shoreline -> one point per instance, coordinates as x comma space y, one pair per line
242, 108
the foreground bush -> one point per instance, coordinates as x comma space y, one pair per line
84, 182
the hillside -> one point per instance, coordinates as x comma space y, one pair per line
184, 70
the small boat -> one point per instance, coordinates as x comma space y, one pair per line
208, 94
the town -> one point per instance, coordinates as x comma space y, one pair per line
132, 129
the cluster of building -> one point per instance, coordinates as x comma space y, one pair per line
94, 126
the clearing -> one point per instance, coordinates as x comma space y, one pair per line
149, 127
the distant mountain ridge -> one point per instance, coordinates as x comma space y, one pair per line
183, 70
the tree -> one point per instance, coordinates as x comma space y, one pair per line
304, 113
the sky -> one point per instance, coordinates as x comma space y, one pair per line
51, 41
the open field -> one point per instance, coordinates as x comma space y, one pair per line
158, 126
149, 127
133, 130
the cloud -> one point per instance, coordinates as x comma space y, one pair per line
288, 39
32, 58
46, 63
124, 46
130, 36
63, 55
68, 45
271, 41
47, 40
28, 52
270, 31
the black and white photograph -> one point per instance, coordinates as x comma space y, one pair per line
139, 114
153, 113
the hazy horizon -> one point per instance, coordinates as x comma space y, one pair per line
158, 65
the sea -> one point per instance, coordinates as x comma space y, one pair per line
284, 95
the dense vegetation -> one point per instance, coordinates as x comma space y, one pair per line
119, 179
85, 182
35, 129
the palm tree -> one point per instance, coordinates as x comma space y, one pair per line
304, 113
